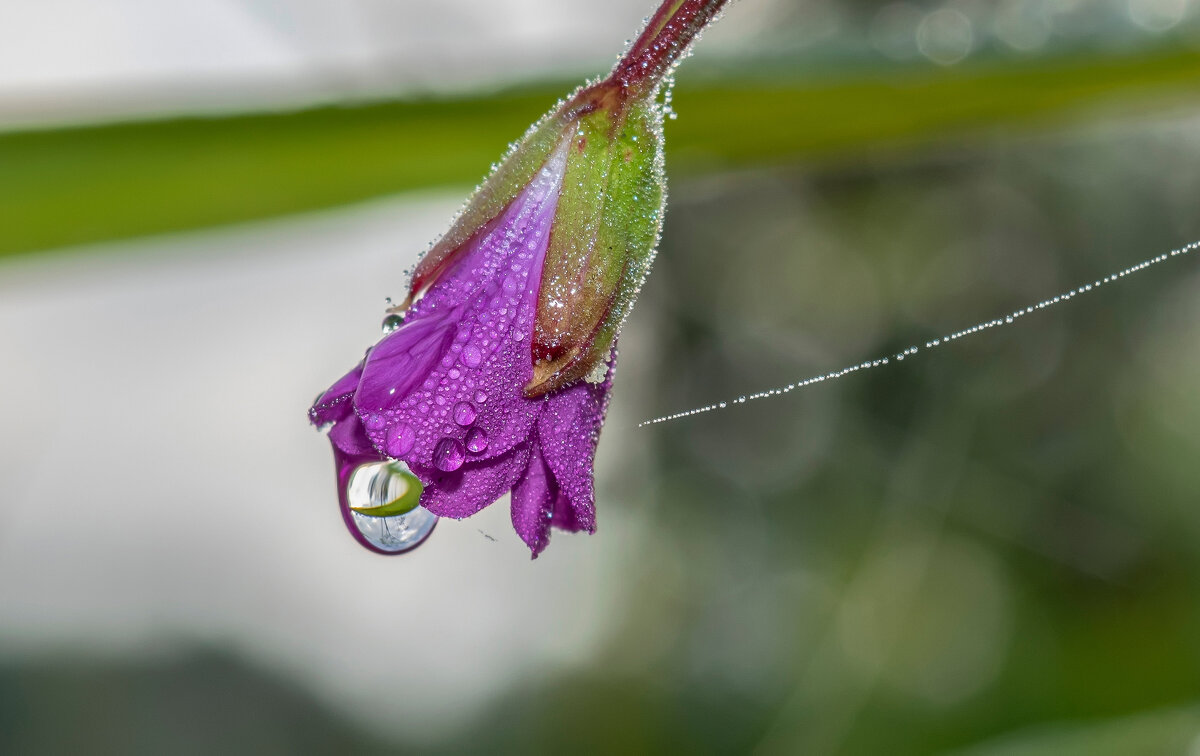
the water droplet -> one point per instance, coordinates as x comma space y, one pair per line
377, 484
464, 413
449, 455
374, 421
399, 439
480, 397
392, 322
477, 440
471, 356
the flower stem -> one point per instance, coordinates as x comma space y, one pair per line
665, 39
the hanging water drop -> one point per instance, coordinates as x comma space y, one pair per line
398, 524
392, 322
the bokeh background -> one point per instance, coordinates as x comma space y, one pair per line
993, 548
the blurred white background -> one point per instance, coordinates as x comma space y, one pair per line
65, 59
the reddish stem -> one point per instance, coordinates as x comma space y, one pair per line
666, 37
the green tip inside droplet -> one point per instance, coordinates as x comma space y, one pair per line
402, 504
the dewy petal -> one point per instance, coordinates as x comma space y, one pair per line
398, 364
568, 432
349, 438
533, 503
459, 362
473, 486
335, 404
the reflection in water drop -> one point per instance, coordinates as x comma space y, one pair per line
378, 484
449, 455
477, 440
400, 439
464, 413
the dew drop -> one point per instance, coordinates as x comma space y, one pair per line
377, 484
449, 455
480, 397
392, 322
477, 440
374, 421
471, 356
399, 439
464, 413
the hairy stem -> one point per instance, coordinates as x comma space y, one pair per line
665, 39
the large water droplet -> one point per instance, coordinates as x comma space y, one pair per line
399, 439
477, 440
449, 455
464, 413
379, 484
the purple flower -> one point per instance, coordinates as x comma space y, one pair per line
497, 377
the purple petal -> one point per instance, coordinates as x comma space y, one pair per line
335, 404
350, 439
473, 486
568, 431
398, 364
459, 363
533, 503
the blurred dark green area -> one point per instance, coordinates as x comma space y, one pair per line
991, 549
94, 183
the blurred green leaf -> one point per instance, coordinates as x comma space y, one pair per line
93, 183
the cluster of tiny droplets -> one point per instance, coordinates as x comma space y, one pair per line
1006, 320
668, 94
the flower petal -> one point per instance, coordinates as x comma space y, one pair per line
459, 363
568, 432
335, 404
533, 503
473, 486
350, 439
398, 364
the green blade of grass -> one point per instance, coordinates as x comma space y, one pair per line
86, 184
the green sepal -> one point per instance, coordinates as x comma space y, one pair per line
602, 243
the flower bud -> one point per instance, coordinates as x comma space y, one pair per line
497, 376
